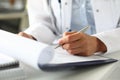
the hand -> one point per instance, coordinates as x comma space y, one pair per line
26, 35
81, 44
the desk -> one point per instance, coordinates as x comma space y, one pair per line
91, 73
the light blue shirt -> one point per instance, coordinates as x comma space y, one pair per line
82, 15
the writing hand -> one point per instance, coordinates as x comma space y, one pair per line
81, 44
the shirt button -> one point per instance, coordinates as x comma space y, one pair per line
97, 10
67, 29
66, 3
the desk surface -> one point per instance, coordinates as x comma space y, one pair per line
90, 73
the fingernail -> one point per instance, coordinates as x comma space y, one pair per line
60, 41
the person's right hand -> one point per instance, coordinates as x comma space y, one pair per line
78, 43
26, 35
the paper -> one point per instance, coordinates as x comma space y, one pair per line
61, 56
62, 60
5, 59
21, 48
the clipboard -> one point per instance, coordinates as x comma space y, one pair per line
62, 60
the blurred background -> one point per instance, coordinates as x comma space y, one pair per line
13, 15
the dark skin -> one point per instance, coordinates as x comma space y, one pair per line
78, 43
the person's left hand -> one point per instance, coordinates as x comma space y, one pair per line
26, 35
81, 44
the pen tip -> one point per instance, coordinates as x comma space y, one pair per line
57, 47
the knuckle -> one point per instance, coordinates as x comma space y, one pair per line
69, 46
87, 53
70, 51
87, 49
21, 33
65, 33
85, 45
63, 46
82, 35
67, 38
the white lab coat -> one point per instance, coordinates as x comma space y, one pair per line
106, 13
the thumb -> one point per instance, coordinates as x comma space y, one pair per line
68, 33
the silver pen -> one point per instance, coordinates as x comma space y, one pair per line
82, 30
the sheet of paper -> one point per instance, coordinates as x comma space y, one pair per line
21, 48
4, 59
62, 56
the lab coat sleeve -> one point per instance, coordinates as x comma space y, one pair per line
40, 22
111, 39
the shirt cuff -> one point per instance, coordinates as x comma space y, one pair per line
110, 39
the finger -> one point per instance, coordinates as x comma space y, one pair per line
25, 35
65, 34
22, 34
75, 44
83, 54
79, 51
71, 38
68, 33
75, 51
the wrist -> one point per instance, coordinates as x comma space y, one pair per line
101, 46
